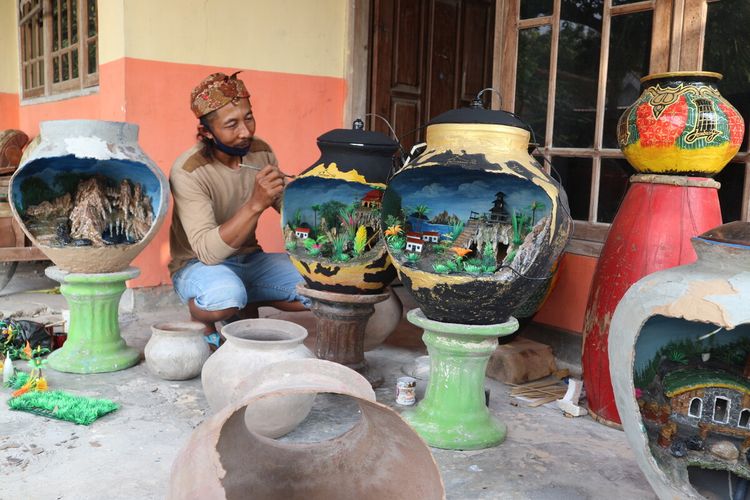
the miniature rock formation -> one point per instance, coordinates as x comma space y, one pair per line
98, 215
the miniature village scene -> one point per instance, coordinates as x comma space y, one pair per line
331, 220
692, 383
463, 221
76, 208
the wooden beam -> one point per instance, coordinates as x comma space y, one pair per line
552, 83
660, 38
693, 35
678, 13
505, 70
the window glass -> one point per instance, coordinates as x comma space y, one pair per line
613, 183
532, 78
744, 418
536, 8
577, 73
732, 180
575, 176
726, 51
629, 54
620, 2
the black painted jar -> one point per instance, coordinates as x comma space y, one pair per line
474, 224
331, 213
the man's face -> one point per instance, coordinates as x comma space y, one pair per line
233, 124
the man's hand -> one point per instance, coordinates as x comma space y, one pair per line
269, 184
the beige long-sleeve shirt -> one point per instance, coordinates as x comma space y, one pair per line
206, 194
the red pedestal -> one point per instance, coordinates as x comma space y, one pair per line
651, 232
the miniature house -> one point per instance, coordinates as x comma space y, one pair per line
302, 232
715, 399
372, 199
430, 236
414, 244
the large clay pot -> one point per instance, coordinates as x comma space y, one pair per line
679, 364
331, 213
680, 125
474, 223
251, 345
383, 321
176, 350
123, 195
380, 457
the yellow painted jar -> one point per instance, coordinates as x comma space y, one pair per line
474, 224
331, 213
681, 125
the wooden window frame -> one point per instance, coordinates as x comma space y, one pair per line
588, 235
73, 85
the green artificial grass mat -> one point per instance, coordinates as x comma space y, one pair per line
63, 406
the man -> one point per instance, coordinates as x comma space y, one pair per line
220, 187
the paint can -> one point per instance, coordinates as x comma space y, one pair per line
406, 391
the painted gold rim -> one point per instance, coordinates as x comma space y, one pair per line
673, 74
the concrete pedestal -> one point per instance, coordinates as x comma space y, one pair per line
340, 320
453, 414
94, 344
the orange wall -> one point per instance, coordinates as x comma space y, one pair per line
566, 306
8, 111
292, 110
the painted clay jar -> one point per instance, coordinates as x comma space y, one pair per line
474, 224
380, 456
88, 196
680, 124
251, 345
679, 356
331, 213
176, 350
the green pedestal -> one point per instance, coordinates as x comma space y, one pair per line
94, 344
453, 414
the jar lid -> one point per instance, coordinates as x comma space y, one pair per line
735, 233
477, 114
358, 136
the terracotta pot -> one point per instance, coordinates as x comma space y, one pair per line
276, 416
680, 124
383, 321
474, 224
251, 345
176, 350
380, 457
101, 236
330, 215
659, 331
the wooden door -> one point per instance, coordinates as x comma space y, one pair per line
428, 56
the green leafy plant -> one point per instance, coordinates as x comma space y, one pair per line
290, 246
413, 257
441, 268
398, 242
456, 230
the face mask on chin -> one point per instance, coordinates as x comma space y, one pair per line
231, 151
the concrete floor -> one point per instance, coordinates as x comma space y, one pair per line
128, 454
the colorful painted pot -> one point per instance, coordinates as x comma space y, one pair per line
474, 223
88, 196
331, 213
680, 125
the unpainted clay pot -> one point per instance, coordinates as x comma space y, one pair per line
251, 345
380, 457
275, 417
383, 321
65, 153
176, 350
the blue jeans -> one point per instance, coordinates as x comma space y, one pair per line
239, 280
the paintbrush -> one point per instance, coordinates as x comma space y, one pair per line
253, 167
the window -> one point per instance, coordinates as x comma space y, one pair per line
58, 44
570, 68
721, 410
696, 407
744, 418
